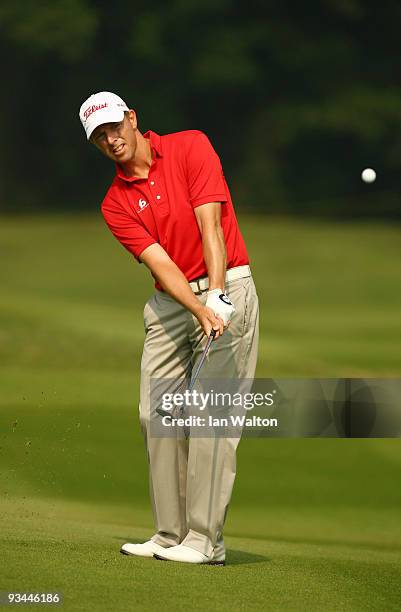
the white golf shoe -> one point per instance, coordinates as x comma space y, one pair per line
147, 549
185, 554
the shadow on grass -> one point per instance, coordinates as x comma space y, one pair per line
242, 557
234, 557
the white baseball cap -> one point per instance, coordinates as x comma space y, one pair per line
99, 108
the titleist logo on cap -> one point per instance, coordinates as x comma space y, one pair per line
93, 109
110, 107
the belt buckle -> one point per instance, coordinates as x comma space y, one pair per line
199, 292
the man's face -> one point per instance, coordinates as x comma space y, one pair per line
117, 140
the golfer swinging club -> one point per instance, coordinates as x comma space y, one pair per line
170, 207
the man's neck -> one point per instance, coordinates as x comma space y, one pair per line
140, 165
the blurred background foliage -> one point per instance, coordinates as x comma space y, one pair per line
297, 99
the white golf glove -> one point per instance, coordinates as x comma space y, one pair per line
221, 305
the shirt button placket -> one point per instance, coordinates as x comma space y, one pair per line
162, 205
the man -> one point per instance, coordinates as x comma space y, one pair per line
170, 206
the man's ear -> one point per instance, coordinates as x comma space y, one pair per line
132, 118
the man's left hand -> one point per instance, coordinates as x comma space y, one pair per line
221, 305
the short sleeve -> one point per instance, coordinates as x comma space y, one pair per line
204, 172
132, 235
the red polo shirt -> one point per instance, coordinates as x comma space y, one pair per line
185, 173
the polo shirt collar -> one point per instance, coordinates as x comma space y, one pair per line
155, 142
155, 145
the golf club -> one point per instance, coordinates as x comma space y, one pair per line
194, 374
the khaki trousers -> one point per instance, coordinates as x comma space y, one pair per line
191, 480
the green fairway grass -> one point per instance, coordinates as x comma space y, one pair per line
314, 524
346, 563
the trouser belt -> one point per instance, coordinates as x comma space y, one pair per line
202, 284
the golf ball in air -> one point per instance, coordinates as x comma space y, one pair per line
368, 175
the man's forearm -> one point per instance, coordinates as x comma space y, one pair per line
170, 277
215, 256
173, 281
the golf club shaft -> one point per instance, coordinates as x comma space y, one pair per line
202, 359
197, 370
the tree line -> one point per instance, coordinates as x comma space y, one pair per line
296, 98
